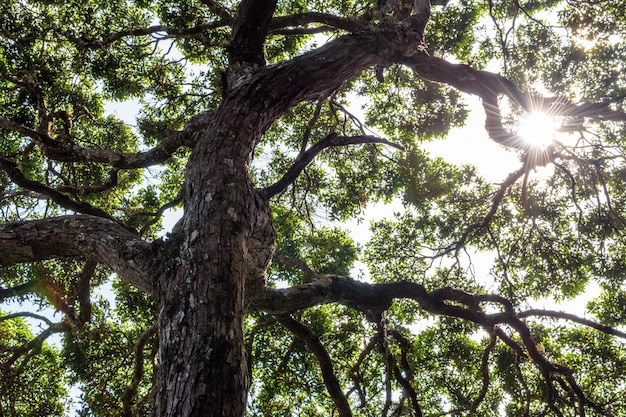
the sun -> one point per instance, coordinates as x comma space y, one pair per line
538, 129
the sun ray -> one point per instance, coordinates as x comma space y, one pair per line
538, 129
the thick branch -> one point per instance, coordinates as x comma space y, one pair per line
251, 24
488, 86
445, 301
305, 158
95, 238
273, 90
83, 291
326, 365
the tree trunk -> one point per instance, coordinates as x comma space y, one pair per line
227, 237
202, 363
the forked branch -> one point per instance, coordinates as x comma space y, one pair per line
306, 157
445, 302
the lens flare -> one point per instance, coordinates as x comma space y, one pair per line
538, 129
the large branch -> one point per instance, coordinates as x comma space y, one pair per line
488, 86
375, 298
249, 31
269, 92
91, 237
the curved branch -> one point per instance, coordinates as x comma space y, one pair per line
91, 237
488, 86
484, 369
18, 178
328, 20
26, 351
27, 314
297, 263
128, 399
447, 302
177, 200
157, 31
63, 151
572, 317
326, 365
497, 200
405, 376
218, 9
306, 157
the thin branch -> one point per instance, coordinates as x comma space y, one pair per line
64, 151
18, 178
304, 19
486, 221
572, 317
31, 348
406, 382
27, 314
305, 158
303, 31
314, 345
298, 263
222, 12
484, 369
353, 373
158, 31
83, 191
388, 360
307, 132
177, 200
129, 398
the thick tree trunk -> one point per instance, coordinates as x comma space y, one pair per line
227, 236
202, 363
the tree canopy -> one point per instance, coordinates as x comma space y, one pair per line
269, 126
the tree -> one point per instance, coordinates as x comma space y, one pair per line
247, 126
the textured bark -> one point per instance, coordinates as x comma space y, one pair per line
95, 238
227, 233
202, 360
